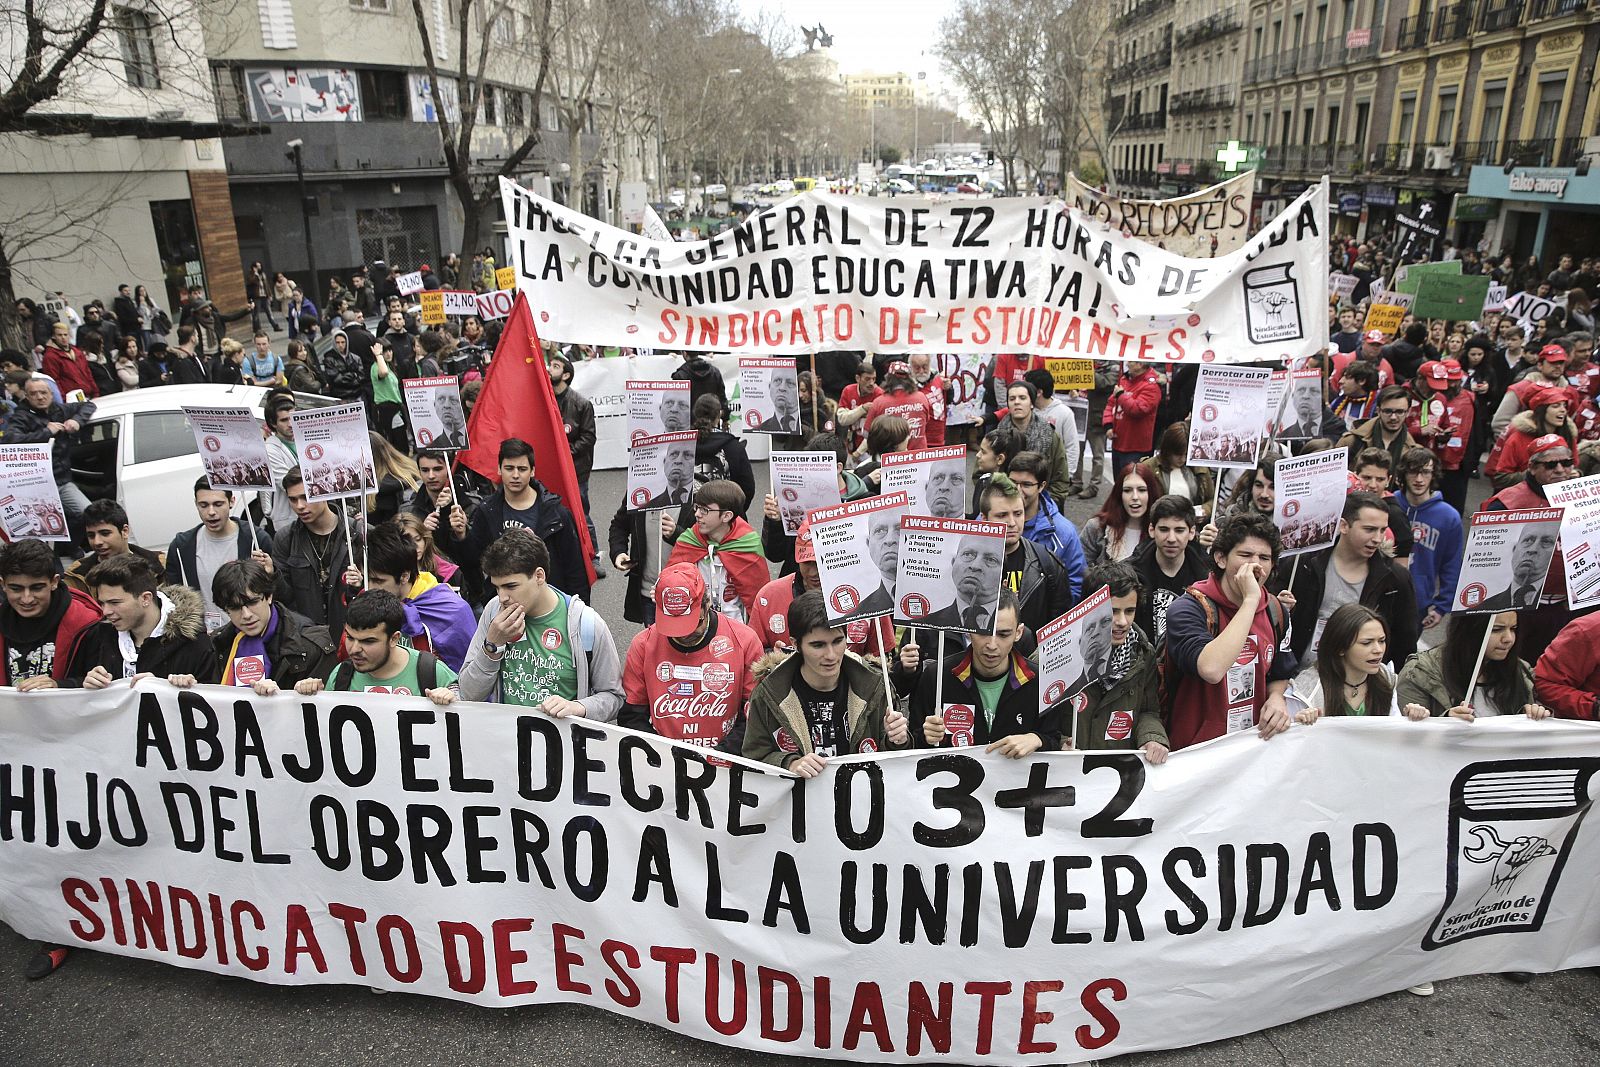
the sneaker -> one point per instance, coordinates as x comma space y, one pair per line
1088, 492
1421, 989
599, 568
46, 961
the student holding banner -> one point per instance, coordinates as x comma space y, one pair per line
990, 693
148, 629
821, 701
264, 646
1436, 681
41, 617
1120, 709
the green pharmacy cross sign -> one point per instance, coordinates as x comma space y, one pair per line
1235, 156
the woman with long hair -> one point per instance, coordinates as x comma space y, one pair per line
398, 478
154, 322
1351, 677
429, 558
1434, 683
889, 433
130, 366
1547, 414
1485, 380
1170, 468
1118, 527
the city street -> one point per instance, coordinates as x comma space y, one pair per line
102, 1009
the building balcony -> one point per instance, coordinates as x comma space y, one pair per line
1215, 98
1160, 59
1149, 120
1413, 32
1142, 11
1453, 23
1554, 9
1212, 26
1500, 14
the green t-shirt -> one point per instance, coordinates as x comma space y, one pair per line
541, 664
989, 696
385, 390
403, 684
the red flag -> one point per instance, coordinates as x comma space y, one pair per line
519, 401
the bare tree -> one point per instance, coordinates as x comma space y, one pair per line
992, 51
1070, 73
478, 189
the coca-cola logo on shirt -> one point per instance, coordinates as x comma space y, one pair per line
716, 677
670, 707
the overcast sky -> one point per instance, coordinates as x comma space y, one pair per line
876, 35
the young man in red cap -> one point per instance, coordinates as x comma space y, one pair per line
1549, 372
770, 618
1442, 420
1370, 352
688, 676
900, 396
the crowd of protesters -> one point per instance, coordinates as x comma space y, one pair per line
448, 587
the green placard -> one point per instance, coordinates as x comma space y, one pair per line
1408, 277
1454, 298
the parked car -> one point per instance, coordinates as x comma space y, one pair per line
968, 187
900, 185
139, 450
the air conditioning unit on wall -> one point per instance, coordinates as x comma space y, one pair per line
1437, 158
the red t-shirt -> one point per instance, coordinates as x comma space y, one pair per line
914, 407
693, 696
771, 621
933, 389
1200, 710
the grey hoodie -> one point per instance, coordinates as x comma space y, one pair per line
599, 667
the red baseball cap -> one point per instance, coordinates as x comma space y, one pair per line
1454, 370
804, 550
1374, 337
1552, 354
1548, 443
1545, 395
1435, 374
680, 595
899, 366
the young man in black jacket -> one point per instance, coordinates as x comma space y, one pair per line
1034, 575
265, 646
1168, 562
147, 629
521, 503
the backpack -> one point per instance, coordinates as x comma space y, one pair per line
427, 673
1166, 671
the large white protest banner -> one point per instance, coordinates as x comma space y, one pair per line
657, 407
949, 573
1507, 556
1230, 416
30, 500
1205, 223
769, 391
1309, 495
858, 551
661, 471
232, 449
493, 855
433, 406
934, 480
335, 451
802, 482
820, 272
1074, 650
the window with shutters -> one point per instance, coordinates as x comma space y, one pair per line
137, 37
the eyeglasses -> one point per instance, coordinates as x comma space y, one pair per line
1393, 411
1551, 464
701, 510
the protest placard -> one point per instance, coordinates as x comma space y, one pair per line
335, 451
1575, 493
1450, 297
1309, 497
1074, 651
1387, 312
949, 573
803, 481
1302, 414
822, 272
858, 551
1230, 416
770, 392
1494, 299
1530, 309
1340, 286
853, 917
934, 480
459, 302
1580, 556
433, 406
1207, 222
505, 278
965, 373
1408, 276
1071, 373
1507, 556
231, 448
410, 283
433, 309
661, 471
656, 407
496, 305
30, 500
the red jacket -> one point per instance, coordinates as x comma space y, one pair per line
1344, 359
1567, 677
934, 389
1132, 413
914, 407
69, 369
1454, 423
698, 696
82, 612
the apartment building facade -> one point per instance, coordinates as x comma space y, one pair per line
1138, 84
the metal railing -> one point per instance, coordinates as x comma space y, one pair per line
1214, 98
1149, 120
1413, 32
1142, 10
1223, 22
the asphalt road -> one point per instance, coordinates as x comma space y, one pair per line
120, 1012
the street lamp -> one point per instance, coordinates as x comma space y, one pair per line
305, 209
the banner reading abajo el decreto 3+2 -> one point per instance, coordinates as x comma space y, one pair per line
820, 271
922, 906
